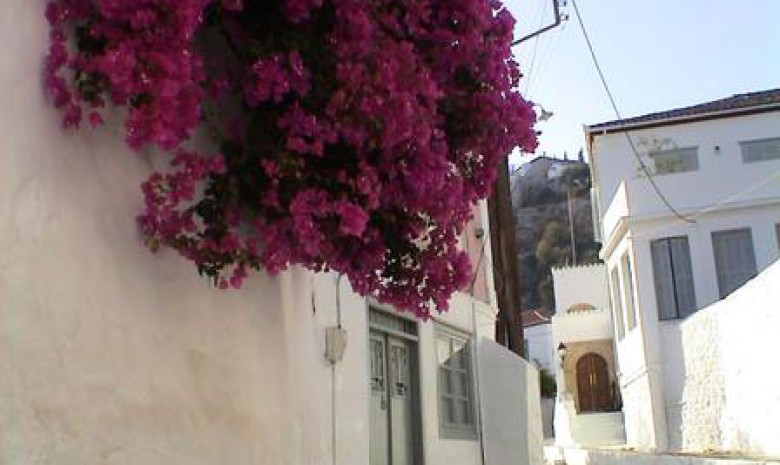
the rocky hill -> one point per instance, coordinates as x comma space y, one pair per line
540, 192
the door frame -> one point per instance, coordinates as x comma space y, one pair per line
410, 333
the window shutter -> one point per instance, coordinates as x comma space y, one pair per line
735, 260
683, 276
663, 277
760, 150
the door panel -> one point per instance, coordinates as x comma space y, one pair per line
595, 393
392, 423
400, 403
378, 410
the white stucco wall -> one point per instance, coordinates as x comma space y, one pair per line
580, 284
730, 398
502, 373
112, 354
620, 457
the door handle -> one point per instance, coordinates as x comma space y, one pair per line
383, 403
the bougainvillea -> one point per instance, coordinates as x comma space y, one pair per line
345, 135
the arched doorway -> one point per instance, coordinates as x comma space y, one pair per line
593, 387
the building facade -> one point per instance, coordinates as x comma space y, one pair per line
718, 166
113, 354
587, 411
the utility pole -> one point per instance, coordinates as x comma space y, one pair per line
509, 327
571, 227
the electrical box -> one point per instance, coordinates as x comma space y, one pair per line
335, 343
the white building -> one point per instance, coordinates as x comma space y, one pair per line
587, 410
112, 354
718, 165
537, 332
539, 350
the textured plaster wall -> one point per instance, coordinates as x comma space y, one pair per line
640, 418
606, 457
730, 399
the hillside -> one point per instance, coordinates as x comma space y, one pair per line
539, 201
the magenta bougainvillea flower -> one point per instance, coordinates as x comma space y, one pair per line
346, 135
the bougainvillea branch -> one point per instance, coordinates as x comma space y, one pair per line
346, 135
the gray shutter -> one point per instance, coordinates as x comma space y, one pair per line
683, 276
664, 282
735, 260
777, 235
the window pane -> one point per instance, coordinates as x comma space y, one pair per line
464, 413
450, 416
676, 160
442, 350
460, 356
445, 377
735, 260
461, 384
760, 150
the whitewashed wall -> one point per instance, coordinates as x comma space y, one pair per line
731, 393
510, 392
580, 284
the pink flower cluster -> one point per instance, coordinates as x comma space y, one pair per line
353, 136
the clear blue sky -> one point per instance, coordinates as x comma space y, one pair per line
656, 55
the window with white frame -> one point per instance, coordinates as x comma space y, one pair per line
617, 304
760, 150
628, 292
673, 275
735, 260
678, 160
456, 400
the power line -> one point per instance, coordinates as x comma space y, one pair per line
621, 123
541, 15
720, 205
546, 51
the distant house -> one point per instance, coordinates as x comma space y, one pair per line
538, 339
718, 165
540, 351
